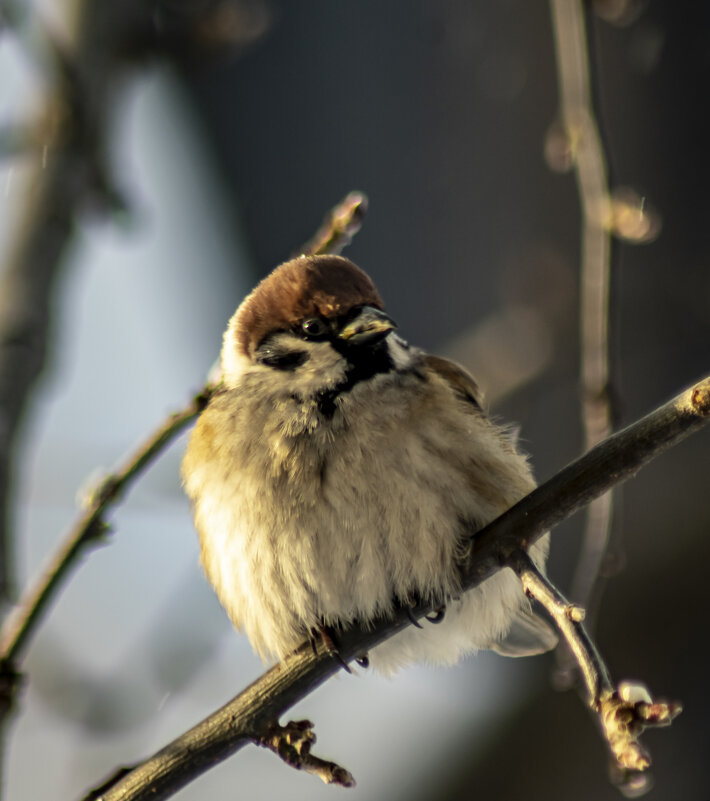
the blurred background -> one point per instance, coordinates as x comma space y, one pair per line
157, 158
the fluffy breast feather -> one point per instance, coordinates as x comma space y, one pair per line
303, 520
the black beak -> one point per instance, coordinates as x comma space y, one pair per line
368, 327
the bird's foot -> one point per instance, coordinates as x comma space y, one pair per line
438, 615
326, 634
415, 622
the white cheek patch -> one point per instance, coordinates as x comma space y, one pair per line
324, 368
231, 366
401, 354
234, 363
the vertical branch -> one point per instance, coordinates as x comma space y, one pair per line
70, 170
25, 292
584, 140
66, 142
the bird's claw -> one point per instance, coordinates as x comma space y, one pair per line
438, 614
327, 637
415, 622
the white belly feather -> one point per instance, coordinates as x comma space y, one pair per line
290, 539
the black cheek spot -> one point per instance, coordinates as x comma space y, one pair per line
281, 359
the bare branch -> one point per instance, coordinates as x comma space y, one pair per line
624, 712
252, 714
70, 171
339, 227
62, 170
89, 528
98, 791
293, 742
578, 118
344, 221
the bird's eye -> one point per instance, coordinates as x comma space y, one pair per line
314, 328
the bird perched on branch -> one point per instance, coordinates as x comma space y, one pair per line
337, 470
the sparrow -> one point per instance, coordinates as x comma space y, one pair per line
337, 471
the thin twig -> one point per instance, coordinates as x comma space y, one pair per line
21, 624
339, 227
591, 172
91, 527
249, 717
345, 219
578, 118
89, 530
293, 742
624, 712
66, 149
69, 170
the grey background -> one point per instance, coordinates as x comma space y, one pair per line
438, 111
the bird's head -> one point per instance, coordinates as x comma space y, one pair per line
320, 316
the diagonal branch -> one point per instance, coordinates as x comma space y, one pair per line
623, 712
89, 528
339, 227
17, 629
250, 716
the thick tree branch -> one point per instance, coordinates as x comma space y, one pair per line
250, 716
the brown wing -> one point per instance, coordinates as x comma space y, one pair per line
460, 380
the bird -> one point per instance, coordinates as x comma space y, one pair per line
337, 471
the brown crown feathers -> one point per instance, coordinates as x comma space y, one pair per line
309, 286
